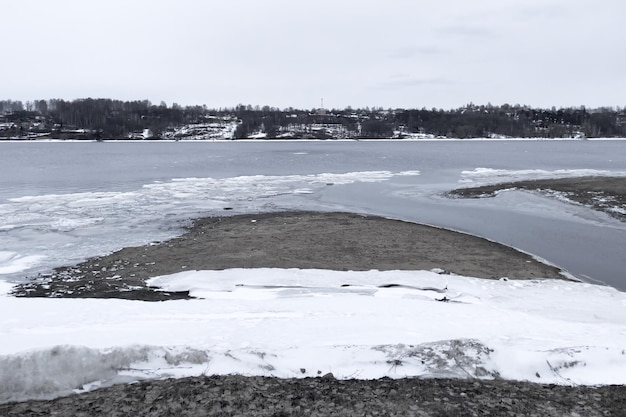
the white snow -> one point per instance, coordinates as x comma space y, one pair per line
484, 176
297, 323
5, 287
11, 262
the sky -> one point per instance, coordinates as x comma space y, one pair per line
285, 53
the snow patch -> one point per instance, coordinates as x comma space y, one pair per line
11, 262
485, 176
303, 323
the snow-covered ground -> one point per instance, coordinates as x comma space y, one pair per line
302, 323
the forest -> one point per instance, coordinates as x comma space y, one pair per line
102, 119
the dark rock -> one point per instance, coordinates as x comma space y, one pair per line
261, 396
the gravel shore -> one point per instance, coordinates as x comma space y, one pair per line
235, 395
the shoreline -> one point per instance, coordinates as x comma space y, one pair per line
605, 194
525, 139
325, 240
295, 239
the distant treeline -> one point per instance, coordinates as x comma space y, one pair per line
98, 117
115, 119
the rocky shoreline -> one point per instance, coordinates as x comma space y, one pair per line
235, 395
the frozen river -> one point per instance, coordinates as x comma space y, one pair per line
63, 202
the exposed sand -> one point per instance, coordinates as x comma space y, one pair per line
338, 241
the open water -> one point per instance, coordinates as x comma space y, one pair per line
61, 202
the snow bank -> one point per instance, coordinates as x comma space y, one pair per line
297, 323
5, 288
11, 262
63, 370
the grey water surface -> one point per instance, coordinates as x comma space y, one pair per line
63, 201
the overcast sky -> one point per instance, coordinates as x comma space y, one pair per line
391, 53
